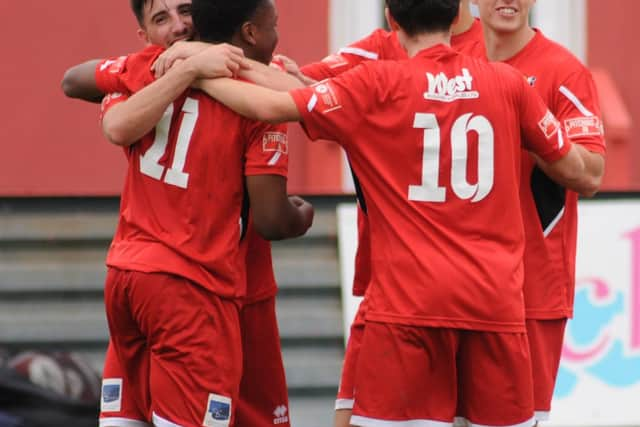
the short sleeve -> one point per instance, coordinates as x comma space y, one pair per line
267, 149
109, 101
334, 108
576, 106
542, 132
127, 73
347, 58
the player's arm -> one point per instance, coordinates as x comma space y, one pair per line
588, 183
252, 101
79, 82
251, 70
543, 135
576, 107
270, 77
567, 171
275, 215
127, 122
291, 67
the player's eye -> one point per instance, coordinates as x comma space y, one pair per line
185, 10
160, 19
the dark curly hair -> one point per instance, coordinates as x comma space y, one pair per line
217, 21
422, 16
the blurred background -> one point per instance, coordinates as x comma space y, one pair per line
60, 182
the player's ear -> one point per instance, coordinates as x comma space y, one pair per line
393, 25
143, 36
248, 32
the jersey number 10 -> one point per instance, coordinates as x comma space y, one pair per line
430, 189
149, 162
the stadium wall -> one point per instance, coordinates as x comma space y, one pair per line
52, 145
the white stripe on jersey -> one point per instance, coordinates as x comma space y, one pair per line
359, 52
575, 101
312, 103
553, 223
275, 158
560, 139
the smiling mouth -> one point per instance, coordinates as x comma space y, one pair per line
506, 11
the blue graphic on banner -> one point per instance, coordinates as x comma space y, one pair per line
591, 346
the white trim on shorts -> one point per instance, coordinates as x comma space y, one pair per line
344, 404
158, 421
542, 415
357, 420
121, 422
530, 422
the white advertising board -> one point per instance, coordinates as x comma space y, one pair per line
599, 377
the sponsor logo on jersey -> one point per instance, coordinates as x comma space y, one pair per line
445, 89
275, 142
324, 98
218, 411
532, 81
549, 125
114, 66
583, 126
111, 400
280, 415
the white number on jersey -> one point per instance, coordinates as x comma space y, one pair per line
430, 190
149, 162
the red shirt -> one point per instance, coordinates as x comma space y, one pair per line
550, 211
384, 45
181, 206
381, 45
435, 142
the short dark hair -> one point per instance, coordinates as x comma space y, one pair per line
216, 21
424, 16
137, 6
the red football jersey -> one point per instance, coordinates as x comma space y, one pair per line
381, 45
435, 142
181, 206
550, 211
261, 281
384, 45
471, 42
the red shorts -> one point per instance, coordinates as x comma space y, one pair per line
263, 400
178, 346
545, 344
117, 404
344, 399
423, 376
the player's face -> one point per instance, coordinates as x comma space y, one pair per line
166, 22
504, 16
266, 36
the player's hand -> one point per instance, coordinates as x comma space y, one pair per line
291, 67
221, 60
305, 210
179, 50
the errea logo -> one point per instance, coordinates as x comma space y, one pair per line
280, 415
445, 89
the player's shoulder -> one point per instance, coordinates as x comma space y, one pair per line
149, 53
381, 35
557, 58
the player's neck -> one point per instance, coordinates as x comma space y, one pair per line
503, 46
464, 22
419, 42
